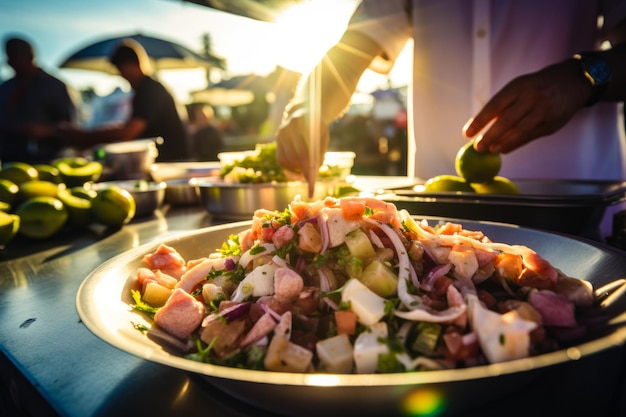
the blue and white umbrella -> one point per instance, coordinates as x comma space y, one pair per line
162, 53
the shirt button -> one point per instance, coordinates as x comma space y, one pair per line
481, 33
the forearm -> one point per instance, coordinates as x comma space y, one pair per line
332, 83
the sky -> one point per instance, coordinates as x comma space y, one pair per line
57, 28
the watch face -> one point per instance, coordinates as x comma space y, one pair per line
597, 68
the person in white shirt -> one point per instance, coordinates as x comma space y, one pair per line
479, 60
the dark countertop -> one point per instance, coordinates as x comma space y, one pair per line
51, 364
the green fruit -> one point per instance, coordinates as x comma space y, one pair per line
48, 173
37, 188
79, 209
499, 185
9, 227
79, 171
477, 166
82, 192
18, 172
8, 191
113, 206
41, 217
447, 183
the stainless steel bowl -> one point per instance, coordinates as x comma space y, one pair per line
128, 160
236, 201
166, 171
180, 193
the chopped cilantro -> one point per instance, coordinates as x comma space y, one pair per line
231, 247
140, 305
388, 363
141, 327
256, 249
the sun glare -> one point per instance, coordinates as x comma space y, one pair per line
305, 31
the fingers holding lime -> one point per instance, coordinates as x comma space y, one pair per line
477, 167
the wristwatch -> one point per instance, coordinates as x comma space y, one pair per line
597, 71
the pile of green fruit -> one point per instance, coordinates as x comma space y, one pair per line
38, 201
477, 173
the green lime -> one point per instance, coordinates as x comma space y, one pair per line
8, 191
477, 166
9, 226
78, 171
18, 172
446, 183
82, 192
48, 172
499, 185
113, 206
41, 217
37, 188
78, 208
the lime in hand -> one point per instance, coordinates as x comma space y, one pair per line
476, 166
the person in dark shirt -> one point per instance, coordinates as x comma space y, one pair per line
154, 113
206, 139
32, 103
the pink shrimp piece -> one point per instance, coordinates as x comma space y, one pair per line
145, 275
288, 285
167, 260
283, 235
263, 326
180, 315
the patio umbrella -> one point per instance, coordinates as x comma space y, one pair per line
235, 91
163, 54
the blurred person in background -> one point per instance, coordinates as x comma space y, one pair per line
511, 62
32, 104
153, 110
206, 139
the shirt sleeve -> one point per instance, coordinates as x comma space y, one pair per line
388, 23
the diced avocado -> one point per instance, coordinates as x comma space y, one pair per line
379, 278
360, 245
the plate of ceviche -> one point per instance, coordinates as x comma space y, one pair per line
351, 305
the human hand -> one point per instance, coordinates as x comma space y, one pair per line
293, 145
529, 107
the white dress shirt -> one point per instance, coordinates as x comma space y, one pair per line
466, 50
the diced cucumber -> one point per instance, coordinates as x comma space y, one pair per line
359, 244
379, 278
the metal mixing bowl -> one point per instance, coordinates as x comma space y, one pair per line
237, 201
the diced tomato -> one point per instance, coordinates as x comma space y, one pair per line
346, 322
352, 208
267, 233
